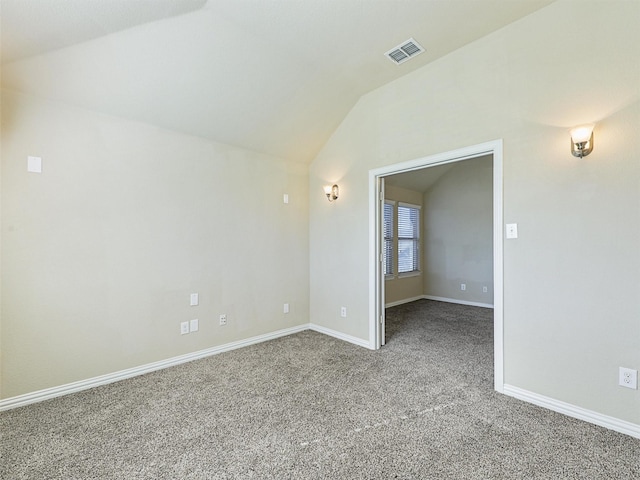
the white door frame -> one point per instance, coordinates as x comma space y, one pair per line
376, 278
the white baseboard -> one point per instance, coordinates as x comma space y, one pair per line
606, 421
460, 302
342, 336
402, 302
53, 392
580, 413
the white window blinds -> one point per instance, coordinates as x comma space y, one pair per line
408, 238
387, 253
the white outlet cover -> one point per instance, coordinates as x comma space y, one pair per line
285, 198
194, 299
343, 312
628, 378
184, 328
193, 325
286, 308
512, 230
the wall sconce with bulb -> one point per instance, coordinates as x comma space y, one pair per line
582, 140
331, 191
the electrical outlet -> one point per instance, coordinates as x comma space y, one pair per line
193, 300
223, 319
343, 312
184, 328
286, 308
193, 325
628, 378
463, 286
484, 289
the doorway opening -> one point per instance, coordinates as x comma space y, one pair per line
377, 241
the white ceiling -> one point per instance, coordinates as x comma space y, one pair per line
275, 76
34, 27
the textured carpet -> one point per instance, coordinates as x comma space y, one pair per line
308, 406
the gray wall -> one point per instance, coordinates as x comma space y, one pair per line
571, 288
458, 233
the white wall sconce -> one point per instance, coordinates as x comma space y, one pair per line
331, 192
582, 140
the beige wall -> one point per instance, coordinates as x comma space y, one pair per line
101, 251
1, 230
458, 233
571, 284
401, 288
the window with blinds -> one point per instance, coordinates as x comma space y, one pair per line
387, 233
408, 238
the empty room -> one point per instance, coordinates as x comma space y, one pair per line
319, 239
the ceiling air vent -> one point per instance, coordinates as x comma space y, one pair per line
404, 51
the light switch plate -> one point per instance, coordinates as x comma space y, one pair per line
34, 164
194, 299
193, 325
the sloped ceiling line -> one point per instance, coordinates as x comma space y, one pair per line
217, 69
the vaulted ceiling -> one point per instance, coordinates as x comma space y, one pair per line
275, 76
